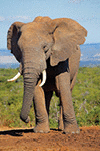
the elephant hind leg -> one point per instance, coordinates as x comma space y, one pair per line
48, 96
60, 120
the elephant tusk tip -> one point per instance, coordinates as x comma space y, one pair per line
41, 84
14, 78
44, 78
8, 80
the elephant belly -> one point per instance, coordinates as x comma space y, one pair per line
49, 85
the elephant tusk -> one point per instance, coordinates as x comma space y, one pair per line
14, 78
44, 78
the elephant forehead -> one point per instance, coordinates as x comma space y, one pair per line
35, 36
34, 27
36, 39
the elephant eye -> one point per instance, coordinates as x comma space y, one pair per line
45, 48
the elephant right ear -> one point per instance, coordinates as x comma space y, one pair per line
67, 35
12, 35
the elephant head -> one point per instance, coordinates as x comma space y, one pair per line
33, 43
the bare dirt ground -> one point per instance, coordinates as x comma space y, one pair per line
27, 140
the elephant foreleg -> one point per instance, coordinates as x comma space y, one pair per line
70, 124
60, 121
42, 123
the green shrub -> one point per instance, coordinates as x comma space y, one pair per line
85, 96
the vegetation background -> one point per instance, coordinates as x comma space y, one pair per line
86, 99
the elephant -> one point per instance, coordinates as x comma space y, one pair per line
49, 54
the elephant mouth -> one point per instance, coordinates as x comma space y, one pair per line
19, 74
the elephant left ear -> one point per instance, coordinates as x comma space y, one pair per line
67, 35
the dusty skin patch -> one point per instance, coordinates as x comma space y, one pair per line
27, 140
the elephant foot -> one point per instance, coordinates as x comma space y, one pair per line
41, 128
71, 129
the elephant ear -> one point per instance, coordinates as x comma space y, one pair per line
67, 35
12, 38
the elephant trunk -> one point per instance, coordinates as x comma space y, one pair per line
30, 81
32, 69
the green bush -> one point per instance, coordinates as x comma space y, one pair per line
85, 96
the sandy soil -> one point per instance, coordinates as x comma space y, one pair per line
26, 140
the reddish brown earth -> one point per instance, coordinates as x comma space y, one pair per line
27, 140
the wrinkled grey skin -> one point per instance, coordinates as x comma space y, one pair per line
52, 45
